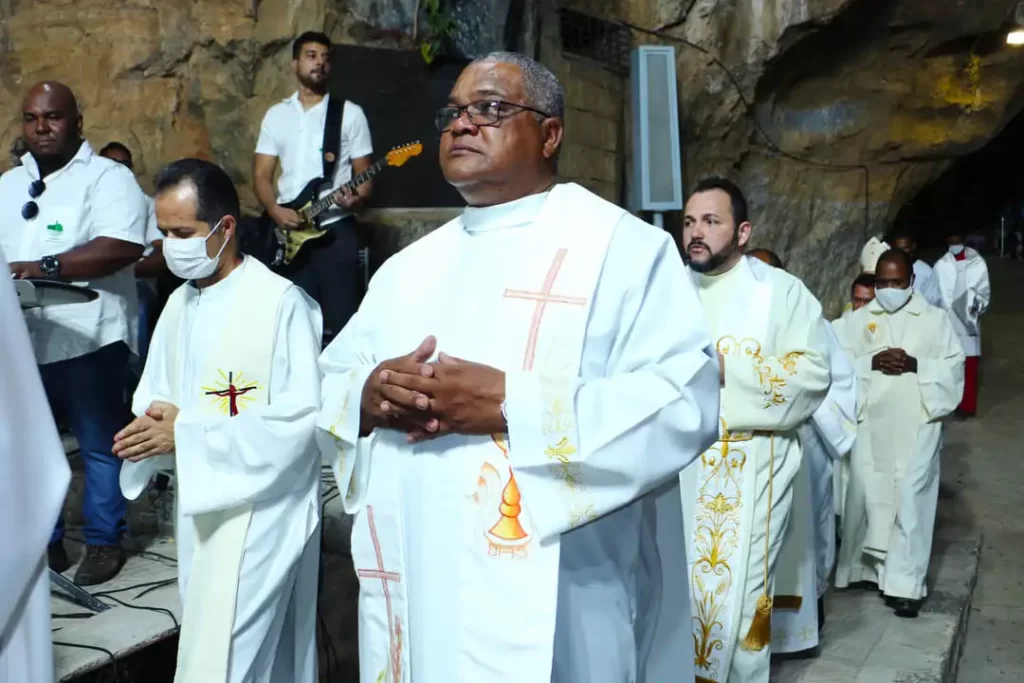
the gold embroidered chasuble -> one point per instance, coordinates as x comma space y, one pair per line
768, 328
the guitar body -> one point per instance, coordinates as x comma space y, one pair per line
293, 240
275, 246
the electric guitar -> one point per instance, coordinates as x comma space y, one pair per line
311, 206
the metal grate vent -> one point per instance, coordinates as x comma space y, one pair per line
596, 39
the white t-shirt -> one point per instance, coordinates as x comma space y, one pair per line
295, 135
90, 197
152, 235
152, 232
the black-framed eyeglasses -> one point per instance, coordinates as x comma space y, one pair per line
482, 113
30, 210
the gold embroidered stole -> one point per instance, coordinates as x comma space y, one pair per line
718, 496
545, 304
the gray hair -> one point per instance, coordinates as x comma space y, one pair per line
540, 85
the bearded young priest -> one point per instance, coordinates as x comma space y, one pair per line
508, 413
737, 497
910, 374
228, 400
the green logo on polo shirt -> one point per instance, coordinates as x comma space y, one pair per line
55, 227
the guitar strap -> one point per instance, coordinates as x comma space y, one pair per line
331, 147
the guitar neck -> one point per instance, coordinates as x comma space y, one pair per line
324, 203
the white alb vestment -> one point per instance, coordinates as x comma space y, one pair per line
811, 538
894, 483
922, 280
238, 359
962, 288
841, 468
767, 326
34, 476
538, 555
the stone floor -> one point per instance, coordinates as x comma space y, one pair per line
982, 477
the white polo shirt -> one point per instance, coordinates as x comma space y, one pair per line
90, 197
295, 136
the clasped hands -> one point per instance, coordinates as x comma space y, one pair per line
147, 435
428, 400
893, 362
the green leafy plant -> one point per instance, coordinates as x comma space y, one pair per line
440, 29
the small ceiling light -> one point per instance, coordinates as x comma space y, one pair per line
1016, 34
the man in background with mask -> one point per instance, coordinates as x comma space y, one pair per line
960, 285
909, 367
229, 398
773, 356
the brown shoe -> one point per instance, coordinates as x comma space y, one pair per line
100, 564
57, 557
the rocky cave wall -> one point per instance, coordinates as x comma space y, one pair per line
171, 78
899, 87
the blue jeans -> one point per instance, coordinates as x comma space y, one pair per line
89, 391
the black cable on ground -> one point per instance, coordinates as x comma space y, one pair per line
156, 586
770, 143
148, 585
144, 608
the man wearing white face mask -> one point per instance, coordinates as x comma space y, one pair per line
909, 368
960, 285
229, 399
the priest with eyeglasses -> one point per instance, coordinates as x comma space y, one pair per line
508, 414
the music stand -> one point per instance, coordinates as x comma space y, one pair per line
39, 293
36, 293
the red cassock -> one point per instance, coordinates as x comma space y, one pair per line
969, 403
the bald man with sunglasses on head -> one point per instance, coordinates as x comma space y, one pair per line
71, 215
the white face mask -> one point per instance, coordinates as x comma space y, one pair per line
892, 299
187, 258
956, 249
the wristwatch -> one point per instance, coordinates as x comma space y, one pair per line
50, 265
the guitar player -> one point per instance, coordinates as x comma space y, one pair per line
302, 134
